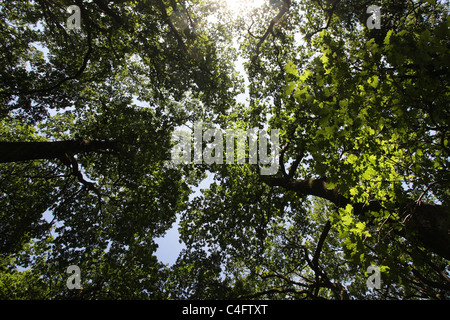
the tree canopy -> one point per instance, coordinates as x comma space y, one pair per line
86, 123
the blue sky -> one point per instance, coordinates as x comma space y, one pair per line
169, 246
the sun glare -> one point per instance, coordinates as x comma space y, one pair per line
238, 7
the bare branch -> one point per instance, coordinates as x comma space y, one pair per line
71, 162
419, 201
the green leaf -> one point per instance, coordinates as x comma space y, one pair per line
291, 68
387, 39
305, 75
351, 158
373, 81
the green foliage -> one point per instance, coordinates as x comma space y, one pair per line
365, 111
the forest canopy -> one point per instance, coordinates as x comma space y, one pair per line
87, 116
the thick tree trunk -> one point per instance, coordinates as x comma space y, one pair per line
23, 151
428, 224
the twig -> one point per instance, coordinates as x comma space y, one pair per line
419, 201
379, 229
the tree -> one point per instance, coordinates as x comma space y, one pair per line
90, 178
86, 123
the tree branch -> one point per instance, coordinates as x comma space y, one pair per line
330, 13
104, 6
273, 22
326, 230
428, 224
68, 78
419, 201
295, 165
162, 9
25, 151
315, 187
281, 160
70, 161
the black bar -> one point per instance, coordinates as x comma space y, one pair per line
212, 309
